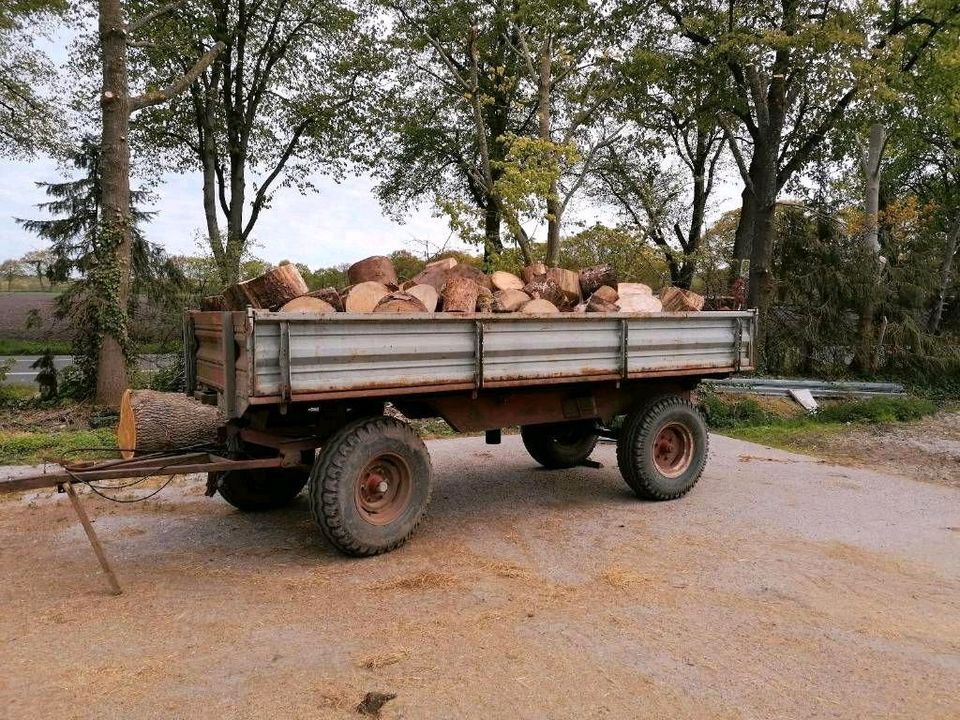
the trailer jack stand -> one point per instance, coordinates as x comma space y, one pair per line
92, 537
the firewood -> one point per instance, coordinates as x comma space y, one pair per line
435, 276
676, 299
568, 282
328, 295
442, 263
633, 289
597, 276
471, 273
533, 272
484, 300
606, 293
545, 289
308, 303
425, 294
639, 303
460, 294
539, 307
152, 421
269, 291
506, 281
595, 304
364, 296
400, 302
377, 268
505, 301
212, 302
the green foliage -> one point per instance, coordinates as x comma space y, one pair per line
722, 412
46, 377
877, 410
623, 249
22, 448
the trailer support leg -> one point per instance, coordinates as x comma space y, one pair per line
92, 537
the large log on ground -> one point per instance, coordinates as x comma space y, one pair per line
533, 272
308, 303
569, 283
545, 289
400, 302
676, 299
471, 273
377, 268
328, 295
364, 296
505, 301
426, 294
152, 421
460, 294
269, 291
539, 307
594, 277
506, 281
606, 293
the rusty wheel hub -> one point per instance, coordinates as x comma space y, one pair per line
383, 489
673, 449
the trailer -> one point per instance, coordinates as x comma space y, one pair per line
318, 401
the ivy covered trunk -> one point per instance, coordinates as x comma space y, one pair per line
111, 277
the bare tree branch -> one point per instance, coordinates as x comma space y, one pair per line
157, 97
134, 25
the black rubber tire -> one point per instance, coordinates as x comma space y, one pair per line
333, 485
260, 490
560, 445
635, 448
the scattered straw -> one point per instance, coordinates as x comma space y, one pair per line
621, 578
419, 581
382, 660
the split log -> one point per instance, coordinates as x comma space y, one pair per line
539, 307
460, 294
377, 268
639, 303
569, 284
484, 300
505, 301
270, 291
443, 263
328, 295
545, 289
506, 281
400, 302
580, 308
425, 294
307, 303
676, 299
533, 272
364, 296
471, 273
212, 302
633, 289
605, 293
597, 276
152, 421
435, 276
595, 304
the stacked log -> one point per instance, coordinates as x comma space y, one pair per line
307, 303
545, 289
595, 277
507, 301
400, 302
506, 281
364, 297
373, 269
539, 307
425, 294
533, 272
460, 294
329, 295
676, 299
569, 284
270, 291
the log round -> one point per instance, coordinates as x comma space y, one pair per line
539, 307
270, 291
506, 281
308, 304
506, 301
377, 268
639, 303
596, 304
328, 295
426, 294
594, 277
363, 297
484, 300
533, 272
569, 284
633, 289
442, 263
606, 293
545, 289
435, 276
400, 302
471, 273
152, 421
676, 299
460, 294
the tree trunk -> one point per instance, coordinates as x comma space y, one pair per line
865, 354
153, 421
946, 269
113, 271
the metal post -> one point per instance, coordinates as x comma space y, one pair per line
92, 537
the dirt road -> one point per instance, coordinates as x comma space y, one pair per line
780, 587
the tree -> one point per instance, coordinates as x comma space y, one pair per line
41, 261
284, 99
11, 270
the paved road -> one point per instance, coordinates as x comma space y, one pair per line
781, 587
22, 374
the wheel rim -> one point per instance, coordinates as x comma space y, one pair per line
673, 449
383, 489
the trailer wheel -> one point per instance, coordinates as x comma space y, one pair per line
370, 486
662, 448
560, 445
259, 490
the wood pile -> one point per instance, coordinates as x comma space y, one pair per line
448, 286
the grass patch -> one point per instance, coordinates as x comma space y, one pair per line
795, 435
30, 448
18, 346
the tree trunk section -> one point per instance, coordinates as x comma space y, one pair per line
153, 421
307, 304
270, 291
364, 297
592, 278
373, 269
946, 270
460, 294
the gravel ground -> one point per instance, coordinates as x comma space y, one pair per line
782, 586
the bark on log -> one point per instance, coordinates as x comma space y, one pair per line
676, 299
425, 294
460, 294
484, 300
545, 289
364, 297
435, 276
639, 303
269, 291
595, 304
569, 284
606, 293
152, 421
539, 307
328, 295
400, 302
505, 301
633, 289
592, 278
506, 281
471, 273
442, 263
377, 268
307, 303
212, 302
533, 272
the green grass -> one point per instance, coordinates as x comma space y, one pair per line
14, 346
787, 435
30, 448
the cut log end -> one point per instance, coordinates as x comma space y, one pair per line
400, 302
364, 297
539, 307
308, 304
377, 268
